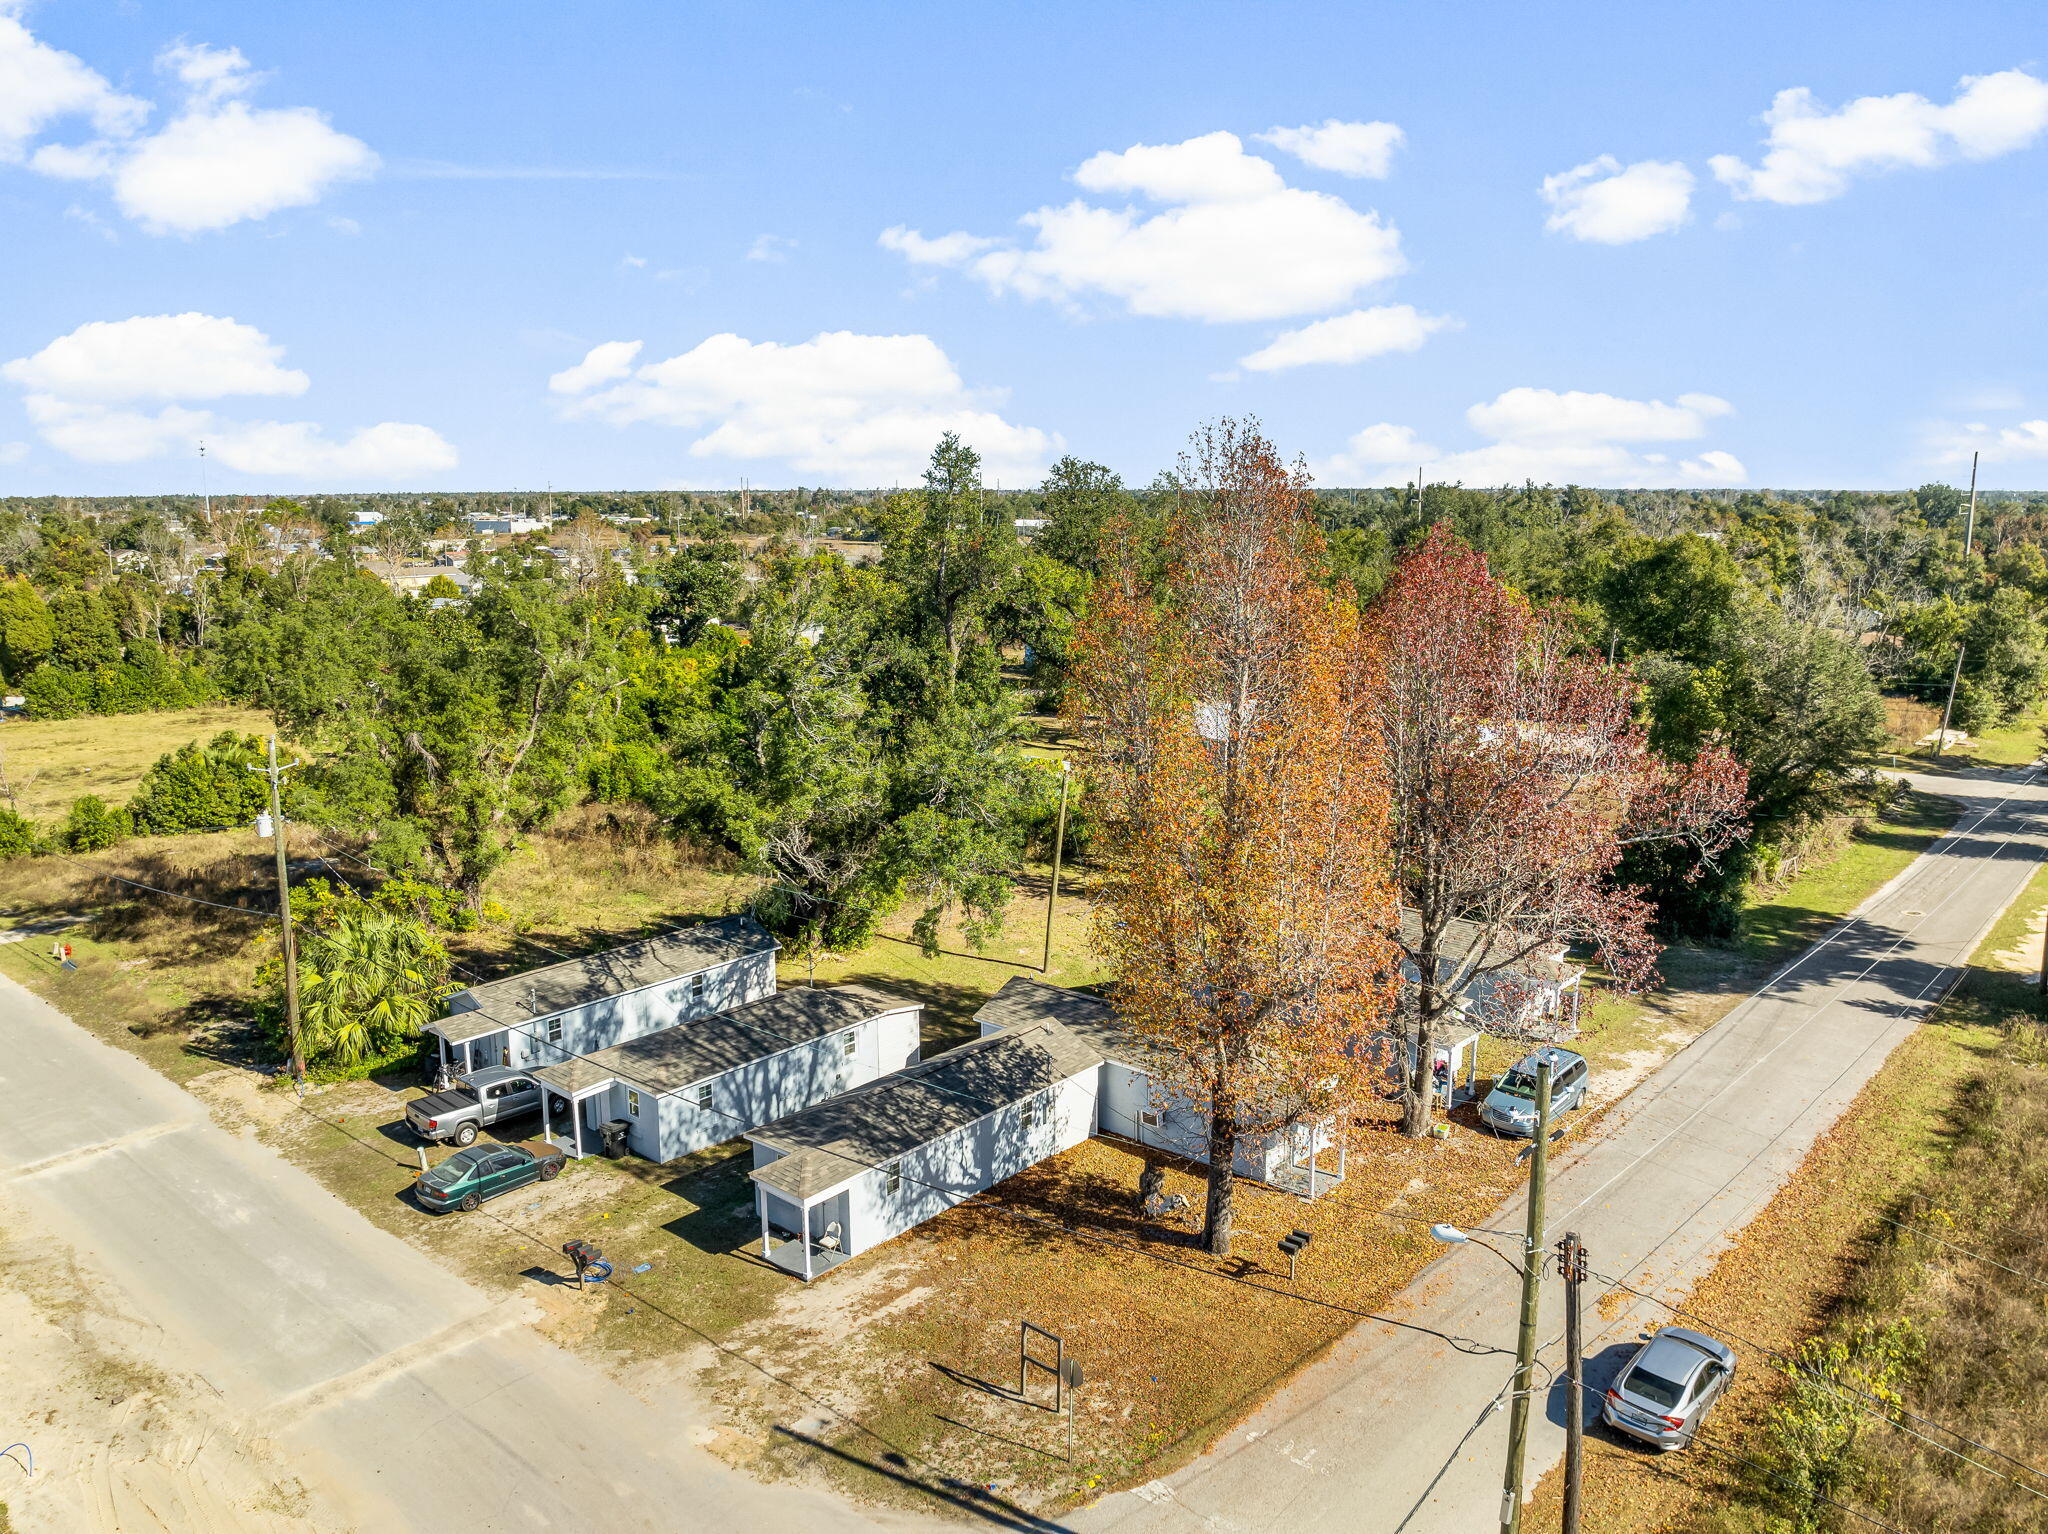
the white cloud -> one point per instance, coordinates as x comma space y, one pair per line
215, 166
1812, 154
856, 409
771, 247
210, 74
1609, 204
1211, 168
388, 450
83, 391
1349, 149
947, 250
1349, 337
1544, 415
158, 356
1233, 243
2022, 442
1552, 438
216, 162
13, 452
604, 362
41, 85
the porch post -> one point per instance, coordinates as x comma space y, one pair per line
804, 1210
545, 1093
762, 1205
576, 1119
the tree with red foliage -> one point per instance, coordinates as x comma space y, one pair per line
1241, 804
1518, 775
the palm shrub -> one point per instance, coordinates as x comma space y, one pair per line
368, 981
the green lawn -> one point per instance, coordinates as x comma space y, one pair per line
50, 762
1794, 916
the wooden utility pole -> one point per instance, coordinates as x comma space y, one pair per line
1955, 681
275, 774
1571, 1265
1532, 1282
1059, 843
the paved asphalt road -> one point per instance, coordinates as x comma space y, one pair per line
1373, 1438
423, 1400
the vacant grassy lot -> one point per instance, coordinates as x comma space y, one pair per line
1950, 1137
50, 762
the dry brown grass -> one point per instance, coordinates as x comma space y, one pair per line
50, 762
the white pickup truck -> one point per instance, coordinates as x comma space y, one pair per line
480, 1100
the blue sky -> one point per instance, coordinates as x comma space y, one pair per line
356, 257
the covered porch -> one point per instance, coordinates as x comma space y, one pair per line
822, 1220
587, 1088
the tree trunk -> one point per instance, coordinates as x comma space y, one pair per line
1216, 1217
1415, 1110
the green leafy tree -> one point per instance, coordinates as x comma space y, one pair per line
440, 588
951, 549
93, 825
86, 637
17, 836
202, 788
700, 584
27, 631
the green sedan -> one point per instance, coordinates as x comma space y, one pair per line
470, 1176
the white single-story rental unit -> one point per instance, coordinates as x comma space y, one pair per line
1537, 988
857, 1169
579, 1006
716, 1077
1132, 1103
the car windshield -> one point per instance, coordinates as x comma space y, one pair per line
1653, 1388
1515, 1084
452, 1171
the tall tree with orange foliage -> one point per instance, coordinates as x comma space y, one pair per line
1517, 776
1242, 807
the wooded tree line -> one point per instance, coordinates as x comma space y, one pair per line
857, 734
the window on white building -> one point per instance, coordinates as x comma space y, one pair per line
704, 1095
893, 1172
849, 1042
696, 988
1031, 1113
554, 1030
633, 1101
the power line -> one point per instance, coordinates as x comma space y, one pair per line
1979, 1256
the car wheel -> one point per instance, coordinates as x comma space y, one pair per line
557, 1106
469, 1203
549, 1170
466, 1135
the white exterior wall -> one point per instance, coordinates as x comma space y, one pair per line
950, 1170
614, 1019
762, 1091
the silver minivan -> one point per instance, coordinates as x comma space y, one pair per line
1510, 1108
1667, 1389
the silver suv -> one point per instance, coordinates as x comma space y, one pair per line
1667, 1389
477, 1101
1510, 1108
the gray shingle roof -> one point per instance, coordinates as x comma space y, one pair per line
670, 1060
1461, 937
615, 972
838, 1139
1023, 1001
